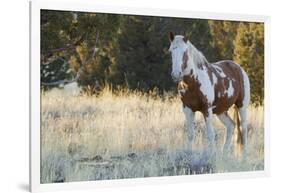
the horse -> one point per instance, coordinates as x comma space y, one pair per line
210, 88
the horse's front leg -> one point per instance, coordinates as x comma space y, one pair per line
208, 115
189, 116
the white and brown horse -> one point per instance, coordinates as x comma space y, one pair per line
209, 89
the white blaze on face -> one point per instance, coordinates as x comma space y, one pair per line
177, 49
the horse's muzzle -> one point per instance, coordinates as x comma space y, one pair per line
176, 76
177, 79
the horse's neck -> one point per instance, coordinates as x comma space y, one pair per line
196, 73
198, 66
198, 59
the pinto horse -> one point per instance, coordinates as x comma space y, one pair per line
210, 88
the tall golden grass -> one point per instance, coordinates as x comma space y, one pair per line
82, 135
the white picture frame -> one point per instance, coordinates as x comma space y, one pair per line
36, 6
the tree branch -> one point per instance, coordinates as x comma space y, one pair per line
66, 47
93, 50
81, 69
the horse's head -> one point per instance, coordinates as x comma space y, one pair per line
178, 50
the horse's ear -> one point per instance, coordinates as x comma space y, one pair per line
185, 38
171, 36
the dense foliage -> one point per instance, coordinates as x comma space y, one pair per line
132, 51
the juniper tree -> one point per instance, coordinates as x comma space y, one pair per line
249, 52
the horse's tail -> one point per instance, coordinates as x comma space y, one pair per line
239, 133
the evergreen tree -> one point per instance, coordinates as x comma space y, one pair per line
223, 35
143, 58
249, 52
71, 36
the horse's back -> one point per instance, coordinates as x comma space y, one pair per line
229, 68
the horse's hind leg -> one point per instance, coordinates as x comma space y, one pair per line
243, 112
243, 116
229, 124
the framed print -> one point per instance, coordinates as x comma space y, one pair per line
124, 96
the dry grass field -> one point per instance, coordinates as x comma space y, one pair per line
131, 134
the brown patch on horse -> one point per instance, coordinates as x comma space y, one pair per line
171, 36
201, 66
184, 60
197, 101
193, 97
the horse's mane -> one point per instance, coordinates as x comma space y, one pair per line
198, 58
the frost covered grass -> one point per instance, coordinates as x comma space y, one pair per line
131, 134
